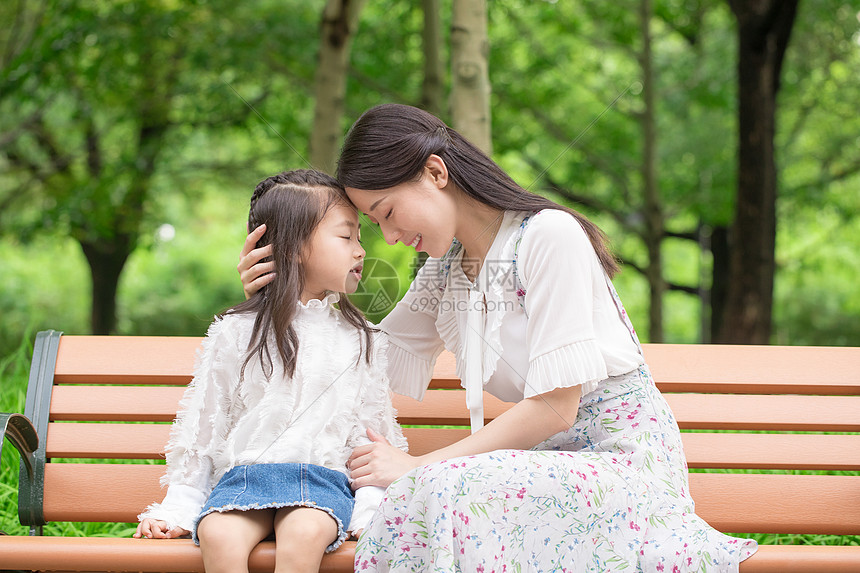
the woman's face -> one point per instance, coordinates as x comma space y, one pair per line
421, 214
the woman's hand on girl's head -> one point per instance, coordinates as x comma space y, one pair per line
378, 463
254, 274
157, 529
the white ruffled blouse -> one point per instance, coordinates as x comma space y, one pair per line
567, 330
317, 417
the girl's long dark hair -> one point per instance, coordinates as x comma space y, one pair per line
291, 204
390, 143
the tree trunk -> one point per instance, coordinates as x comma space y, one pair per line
339, 21
764, 29
719, 247
470, 89
433, 86
106, 260
653, 209
107, 249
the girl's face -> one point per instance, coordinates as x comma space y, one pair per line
334, 256
421, 214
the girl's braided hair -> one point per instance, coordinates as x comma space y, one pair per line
291, 205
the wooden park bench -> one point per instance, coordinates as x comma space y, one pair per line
92, 399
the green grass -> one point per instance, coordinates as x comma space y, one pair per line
13, 388
14, 370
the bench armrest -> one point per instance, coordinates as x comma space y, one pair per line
20, 431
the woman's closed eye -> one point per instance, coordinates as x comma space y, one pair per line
387, 215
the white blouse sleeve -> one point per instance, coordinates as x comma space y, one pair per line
560, 271
367, 499
202, 421
377, 413
411, 327
375, 410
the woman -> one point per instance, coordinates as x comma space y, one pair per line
586, 471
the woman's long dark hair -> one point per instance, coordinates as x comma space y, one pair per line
390, 143
291, 204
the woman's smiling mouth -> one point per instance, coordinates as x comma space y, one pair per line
416, 241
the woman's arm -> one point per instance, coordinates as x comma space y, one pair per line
525, 425
254, 274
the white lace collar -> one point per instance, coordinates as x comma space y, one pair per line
320, 303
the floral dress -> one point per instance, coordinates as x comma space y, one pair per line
608, 494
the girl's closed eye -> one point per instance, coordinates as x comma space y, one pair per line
350, 238
387, 215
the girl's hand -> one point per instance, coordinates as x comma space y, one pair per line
157, 529
254, 274
379, 463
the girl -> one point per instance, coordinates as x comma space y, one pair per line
286, 385
586, 471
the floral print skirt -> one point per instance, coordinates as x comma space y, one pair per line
609, 494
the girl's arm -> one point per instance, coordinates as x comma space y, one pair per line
194, 437
525, 425
375, 411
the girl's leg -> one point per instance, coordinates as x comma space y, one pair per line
301, 537
226, 539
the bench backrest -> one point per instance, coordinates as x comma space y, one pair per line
106, 400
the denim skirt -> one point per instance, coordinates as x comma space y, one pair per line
272, 486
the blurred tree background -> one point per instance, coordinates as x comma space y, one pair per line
133, 132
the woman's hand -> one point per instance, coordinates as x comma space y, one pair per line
378, 463
157, 529
254, 274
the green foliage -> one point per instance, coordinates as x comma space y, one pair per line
44, 286
237, 109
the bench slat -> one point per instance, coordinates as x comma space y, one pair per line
107, 441
115, 403
165, 359
159, 404
803, 559
704, 450
445, 407
128, 554
772, 451
776, 503
676, 367
764, 503
181, 556
123, 359
774, 413
754, 369
723, 451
